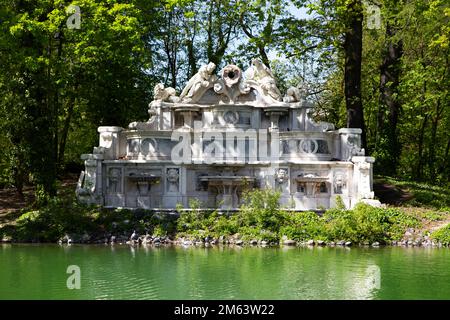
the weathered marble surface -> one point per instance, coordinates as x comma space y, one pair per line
221, 136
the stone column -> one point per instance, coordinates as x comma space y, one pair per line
188, 119
89, 189
293, 119
274, 119
363, 180
282, 184
274, 114
227, 196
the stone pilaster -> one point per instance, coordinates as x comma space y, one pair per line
363, 180
110, 140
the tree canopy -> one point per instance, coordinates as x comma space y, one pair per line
382, 66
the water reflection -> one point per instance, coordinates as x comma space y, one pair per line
133, 251
147, 272
364, 283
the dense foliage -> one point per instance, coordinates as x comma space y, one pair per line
384, 70
260, 218
442, 235
56, 79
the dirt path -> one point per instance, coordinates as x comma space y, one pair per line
11, 203
390, 194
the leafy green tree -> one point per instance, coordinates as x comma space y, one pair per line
56, 78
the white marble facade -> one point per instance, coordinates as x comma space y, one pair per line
225, 134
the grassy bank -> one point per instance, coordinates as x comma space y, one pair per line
412, 194
260, 219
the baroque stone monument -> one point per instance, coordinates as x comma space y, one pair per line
224, 135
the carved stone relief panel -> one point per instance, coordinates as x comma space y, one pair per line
305, 146
231, 117
114, 180
173, 179
339, 182
281, 178
133, 147
149, 147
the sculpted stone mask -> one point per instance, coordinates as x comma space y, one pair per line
172, 175
281, 175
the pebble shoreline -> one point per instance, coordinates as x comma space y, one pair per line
159, 241
412, 238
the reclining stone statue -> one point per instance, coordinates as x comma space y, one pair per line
164, 94
264, 77
295, 94
199, 83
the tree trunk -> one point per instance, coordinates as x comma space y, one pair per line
259, 44
170, 49
419, 170
219, 33
432, 150
264, 57
389, 82
19, 173
191, 58
444, 168
352, 71
209, 41
56, 100
65, 132
433, 142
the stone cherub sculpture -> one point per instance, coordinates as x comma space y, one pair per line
264, 77
296, 94
293, 94
164, 94
199, 83
160, 94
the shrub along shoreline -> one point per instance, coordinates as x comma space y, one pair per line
260, 221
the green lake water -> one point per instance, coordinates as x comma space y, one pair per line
123, 272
